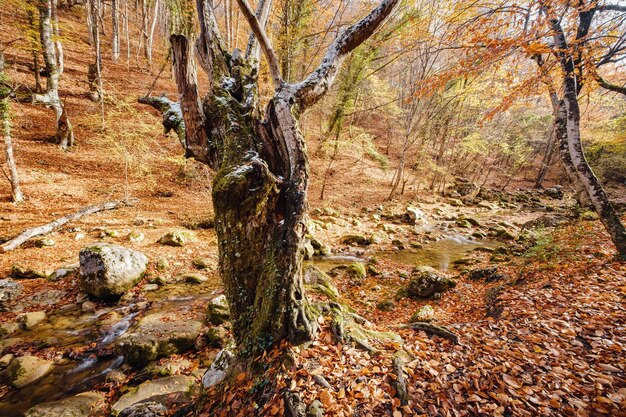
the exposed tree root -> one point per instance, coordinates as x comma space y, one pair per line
432, 329
346, 325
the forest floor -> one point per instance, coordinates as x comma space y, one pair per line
545, 336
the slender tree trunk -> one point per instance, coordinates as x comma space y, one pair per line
546, 160
17, 195
330, 164
90, 20
400, 171
64, 134
35, 48
5, 121
57, 35
150, 41
115, 31
596, 193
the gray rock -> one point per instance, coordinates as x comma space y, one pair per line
355, 240
218, 310
192, 278
158, 335
22, 272
216, 336
31, 319
44, 241
169, 390
149, 409
110, 270
218, 370
9, 289
315, 409
202, 263
175, 239
426, 282
85, 404
415, 215
8, 328
27, 369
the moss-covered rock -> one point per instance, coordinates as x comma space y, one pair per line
85, 404
427, 282
425, 313
158, 335
356, 240
27, 369
176, 238
22, 272
356, 270
218, 311
110, 270
385, 305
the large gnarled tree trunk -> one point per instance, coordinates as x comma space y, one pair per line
261, 181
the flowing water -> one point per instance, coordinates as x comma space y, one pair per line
439, 254
74, 328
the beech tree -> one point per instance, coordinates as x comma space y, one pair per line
261, 169
64, 135
5, 121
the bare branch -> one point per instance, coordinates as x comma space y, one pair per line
262, 13
607, 85
611, 8
209, 44
264, 41
317, 83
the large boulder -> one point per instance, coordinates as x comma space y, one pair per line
426, 282
169, 390
158, 335
26, 369
108, 270
85, 404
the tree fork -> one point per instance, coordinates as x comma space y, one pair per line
261, 181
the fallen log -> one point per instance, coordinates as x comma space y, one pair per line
54, 225
432, 329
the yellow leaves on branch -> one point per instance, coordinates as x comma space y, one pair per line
536, 48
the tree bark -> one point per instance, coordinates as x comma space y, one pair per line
597, 195
115, 31
5, 121
172, 116
546, 160
64, 136
261, 181
150, 39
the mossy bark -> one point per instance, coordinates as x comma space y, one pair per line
261, 180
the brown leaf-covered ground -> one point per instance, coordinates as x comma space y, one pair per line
557, 347
554, 347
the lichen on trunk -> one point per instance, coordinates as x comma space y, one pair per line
261, 171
